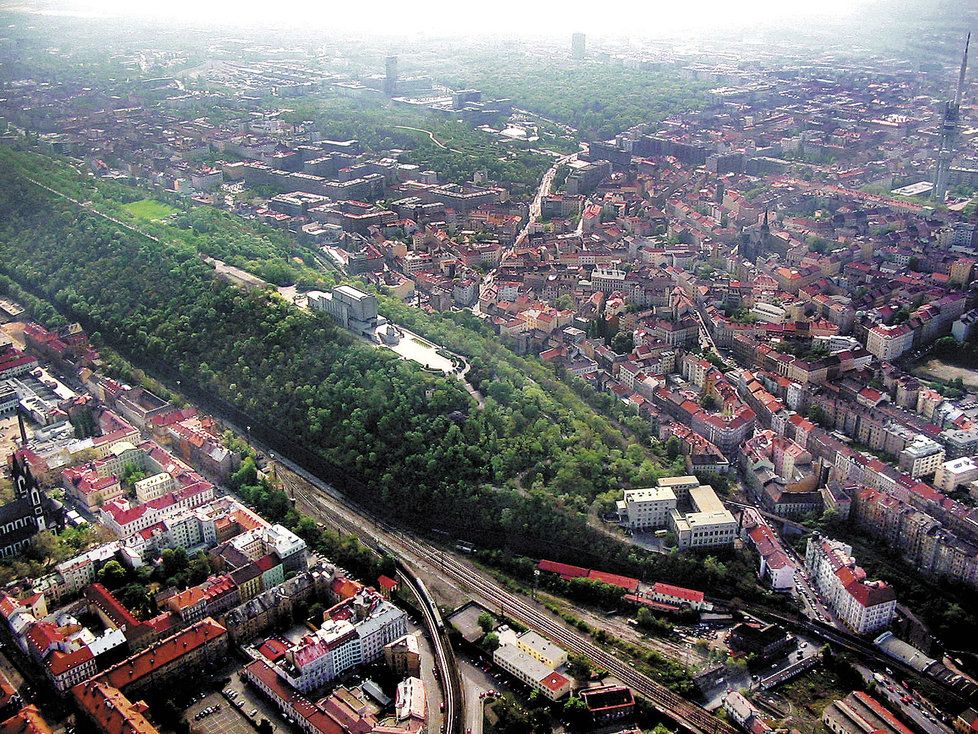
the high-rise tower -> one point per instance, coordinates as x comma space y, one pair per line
949, 131
390, 80
578, 45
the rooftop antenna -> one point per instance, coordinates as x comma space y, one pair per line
964, 69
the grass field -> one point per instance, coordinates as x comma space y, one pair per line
149, 209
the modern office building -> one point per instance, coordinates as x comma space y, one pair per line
709, 525
390, 76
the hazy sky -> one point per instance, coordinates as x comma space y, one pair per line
537, 17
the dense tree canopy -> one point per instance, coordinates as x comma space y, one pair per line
520, 472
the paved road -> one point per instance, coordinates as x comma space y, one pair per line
890, 692
432, 137
543, 190
737, 680
474, 682
229, 720
444, 656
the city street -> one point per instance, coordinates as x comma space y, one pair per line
906, 703
545, 183
475, 681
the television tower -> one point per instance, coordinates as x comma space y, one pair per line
949, 132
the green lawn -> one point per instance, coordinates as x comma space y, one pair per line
149, 209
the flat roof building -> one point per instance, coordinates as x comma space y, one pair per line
350, 308
646, 508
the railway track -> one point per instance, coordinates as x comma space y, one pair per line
423, 554
445, 662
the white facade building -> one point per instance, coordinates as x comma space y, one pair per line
354, 633
647, 508
863, 606
709, 525
957, 472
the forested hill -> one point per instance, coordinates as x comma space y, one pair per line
416, 441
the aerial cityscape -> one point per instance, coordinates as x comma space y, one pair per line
420, 368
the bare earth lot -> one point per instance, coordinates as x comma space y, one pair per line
935, 368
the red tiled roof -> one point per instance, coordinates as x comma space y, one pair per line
187, 598
8, 605
871, 594
42, 635
624, 582
565, 570
162, 653
345, 588
645, 601
554, 681
880, 710
109, 708
26, 721
112, 607
273, 649
678, 592
61, 662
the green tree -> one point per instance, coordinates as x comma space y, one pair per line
579, 666
486, 622
199, 569
710, 402
511, 718
136, 598
566, 302
247, 473
132, 473
490, 642
112, 574
673, 447
817, 415
576, 712
623, 342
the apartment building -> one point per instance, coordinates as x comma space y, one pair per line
921, 458
863, 606
353, 633
956, 473
887, 343
921, 538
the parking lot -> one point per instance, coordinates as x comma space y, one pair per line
226, 720
241, 700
